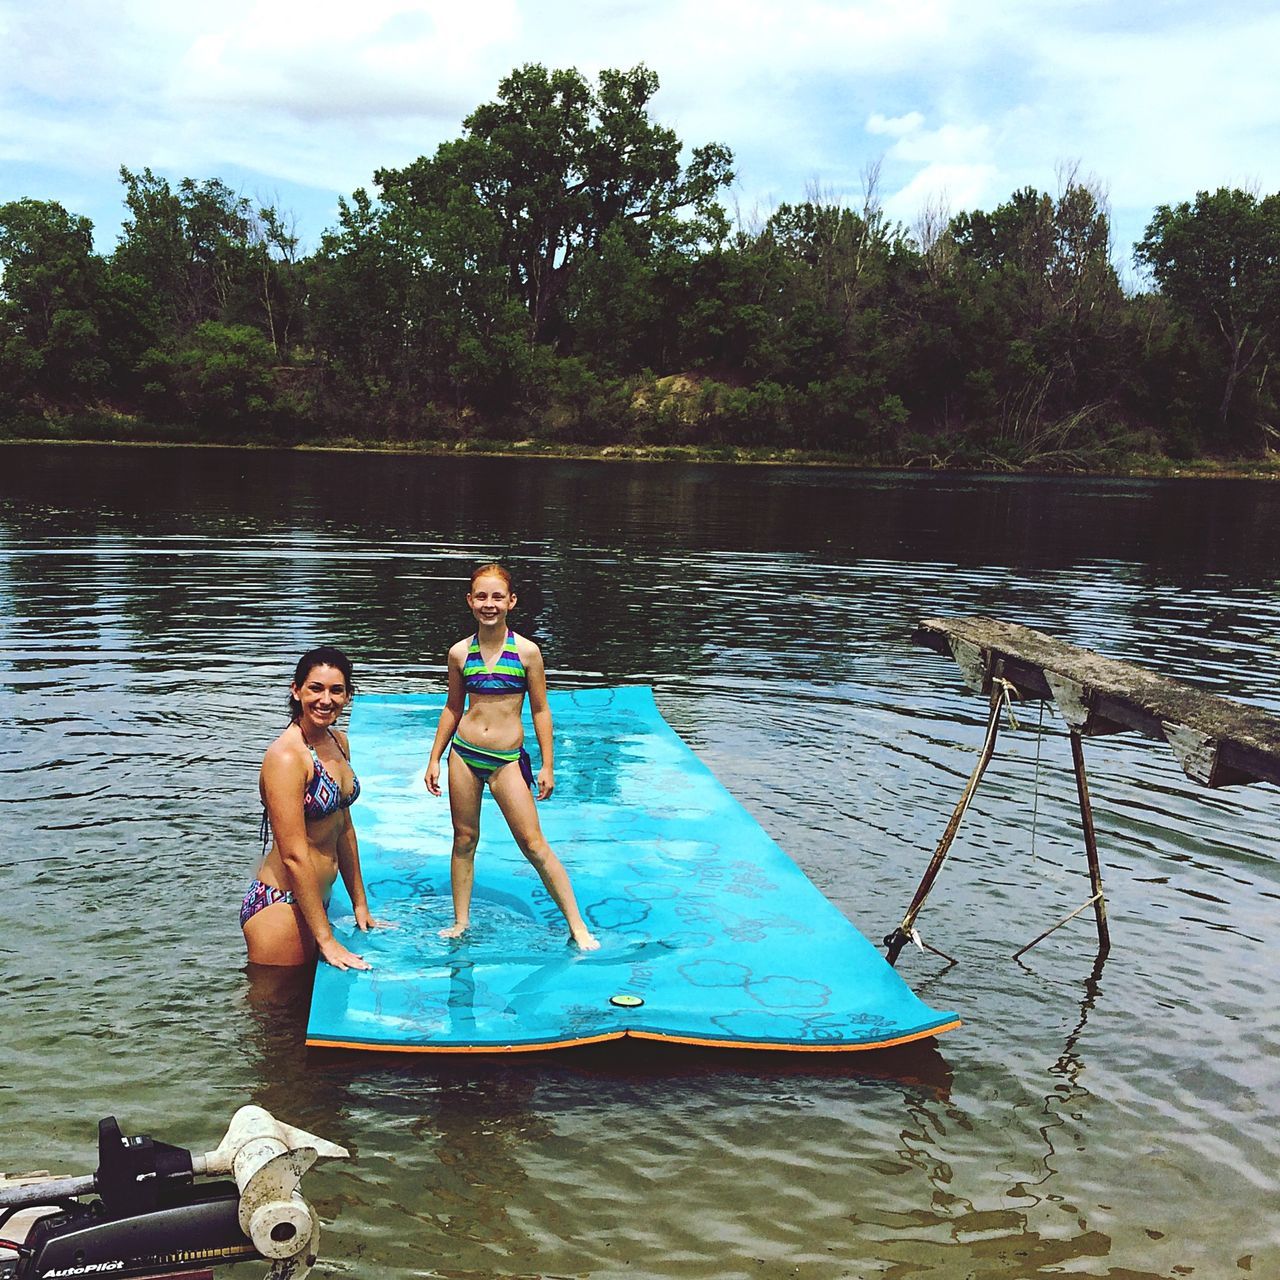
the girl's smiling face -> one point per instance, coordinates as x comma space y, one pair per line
490, 599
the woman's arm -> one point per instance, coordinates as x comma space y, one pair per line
349, 866
540, 710
348, 850
450, 715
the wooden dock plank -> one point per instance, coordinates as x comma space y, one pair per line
1217, 741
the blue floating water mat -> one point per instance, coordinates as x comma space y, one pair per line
710, 934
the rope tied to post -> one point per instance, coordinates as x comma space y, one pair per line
1008, 691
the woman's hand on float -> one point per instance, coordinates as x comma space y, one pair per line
333, 952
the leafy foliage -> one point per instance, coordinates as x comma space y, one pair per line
51, 301
556, 165
1217, 260
564, 269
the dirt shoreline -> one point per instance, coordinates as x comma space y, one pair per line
1136, 467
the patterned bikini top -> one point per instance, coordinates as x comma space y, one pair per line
507, 675
322, 797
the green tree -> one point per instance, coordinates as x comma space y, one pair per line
359, 298
51, 300
206, 253
1051, 257
840, 265
621, 308
280, 284
219, 376
408, 303
189, 245
1217, 260
557, 164
844, 252
738, 296
1047, 338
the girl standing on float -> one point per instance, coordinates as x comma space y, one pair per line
490, 672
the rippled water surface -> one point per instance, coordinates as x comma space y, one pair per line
1113, 1119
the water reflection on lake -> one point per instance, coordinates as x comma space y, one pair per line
1092, 1120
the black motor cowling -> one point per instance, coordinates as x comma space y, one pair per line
150, 1219
202, 1230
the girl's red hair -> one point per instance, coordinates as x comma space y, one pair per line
493, 570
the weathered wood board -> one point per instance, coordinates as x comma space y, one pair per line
1218, 742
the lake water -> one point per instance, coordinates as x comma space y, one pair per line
1115, 1119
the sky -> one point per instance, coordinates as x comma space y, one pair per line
954, 104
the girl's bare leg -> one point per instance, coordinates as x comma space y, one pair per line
465, 790
518, 808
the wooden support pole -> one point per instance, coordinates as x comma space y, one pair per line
1090, 844
899, 937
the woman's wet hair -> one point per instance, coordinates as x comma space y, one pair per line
324, 655
492, 570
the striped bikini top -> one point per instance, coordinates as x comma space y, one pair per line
507, 675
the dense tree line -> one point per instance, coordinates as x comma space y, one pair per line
561, 271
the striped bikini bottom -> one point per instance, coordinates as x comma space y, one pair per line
484, 762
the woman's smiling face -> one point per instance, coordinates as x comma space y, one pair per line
323, 695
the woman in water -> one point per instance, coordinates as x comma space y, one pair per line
307, 786
491, 672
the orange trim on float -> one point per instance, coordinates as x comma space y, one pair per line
544, 1046
796, 1048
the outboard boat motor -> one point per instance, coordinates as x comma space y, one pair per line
143, 1212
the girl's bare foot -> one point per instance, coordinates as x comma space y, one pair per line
453, 931
584, 941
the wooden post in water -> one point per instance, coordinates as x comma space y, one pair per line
1090, 844
1096, 899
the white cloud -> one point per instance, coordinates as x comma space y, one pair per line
953, 187
895, 126
396, 58
949, 143
1159, 100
